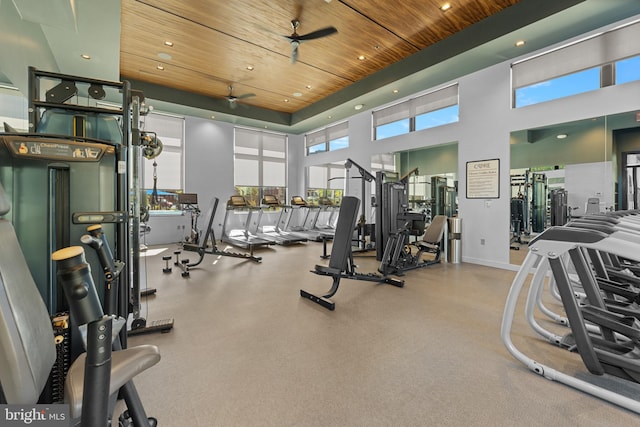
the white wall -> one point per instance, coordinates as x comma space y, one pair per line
483, 132
486, 121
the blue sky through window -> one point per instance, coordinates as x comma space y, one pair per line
560, 87
439, 117
628, 70
399, 127
339, 143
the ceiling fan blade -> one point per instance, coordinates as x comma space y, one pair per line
246, 95
294, 51
318, 34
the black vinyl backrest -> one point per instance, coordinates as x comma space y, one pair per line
341, 247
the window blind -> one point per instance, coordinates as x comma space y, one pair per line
431, 101
593, 52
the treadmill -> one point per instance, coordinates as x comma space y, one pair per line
302, 219
237, 223
270, 220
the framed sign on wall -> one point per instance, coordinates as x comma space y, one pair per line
483, 179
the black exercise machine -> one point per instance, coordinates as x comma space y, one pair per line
517, 222
28, 350
189, 203
398, 255
203, 249
97, 240
341, 260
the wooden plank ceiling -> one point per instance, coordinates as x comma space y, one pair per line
215, 41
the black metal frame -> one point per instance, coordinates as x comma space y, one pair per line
202, 248
341, 261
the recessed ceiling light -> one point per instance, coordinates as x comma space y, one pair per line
160, 67
285, 100
250, 67
85, 56
164, 55
329, 117
396, 91
308, 86
520, 43
561, 136
297, 94
362, 57
445, 7
359, 106
168, 43
213, 117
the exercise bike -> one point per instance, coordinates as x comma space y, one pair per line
189, 201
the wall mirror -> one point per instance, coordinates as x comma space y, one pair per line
567, 170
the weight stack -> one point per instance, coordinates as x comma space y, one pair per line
54, 389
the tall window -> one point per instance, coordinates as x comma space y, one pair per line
13, 108
602, 60
328, 139
385, 162
325, 183
260, 165
163, 180
435, 108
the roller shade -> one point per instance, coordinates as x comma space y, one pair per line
605, 48
431, 101
327, 134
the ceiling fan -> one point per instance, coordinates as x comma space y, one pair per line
232, 99
295, 39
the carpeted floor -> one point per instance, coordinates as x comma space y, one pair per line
246, 350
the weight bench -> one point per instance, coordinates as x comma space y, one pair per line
341, 259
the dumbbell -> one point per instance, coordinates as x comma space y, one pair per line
166, 259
